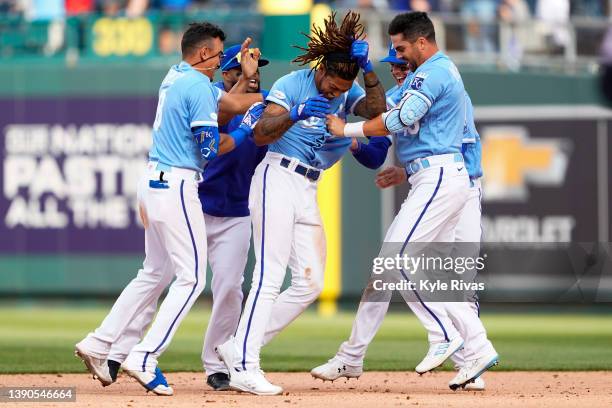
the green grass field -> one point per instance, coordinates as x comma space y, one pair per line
41, 340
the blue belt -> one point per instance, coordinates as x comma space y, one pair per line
418, 165
310, 174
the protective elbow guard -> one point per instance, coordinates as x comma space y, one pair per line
410, 109
413, 107
392, 121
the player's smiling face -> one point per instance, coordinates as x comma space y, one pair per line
405, 49
233, 75
329, 85
399, 73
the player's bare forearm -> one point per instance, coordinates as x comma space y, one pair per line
272, 125
232, 104
235, 104
374, 102
372, 127
375, 127
226, 144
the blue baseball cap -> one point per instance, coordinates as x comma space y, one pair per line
230, 59
392, 57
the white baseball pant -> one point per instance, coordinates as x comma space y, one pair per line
228, 241
370, 315
287, 231
174, 231
430, 213
466, 315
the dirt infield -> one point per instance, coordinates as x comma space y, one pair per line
373, 389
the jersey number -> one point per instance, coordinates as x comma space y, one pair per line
160, 108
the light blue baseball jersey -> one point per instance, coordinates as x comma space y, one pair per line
308, 140
471, 148
394, 95
376, 149
440, 131
187, 99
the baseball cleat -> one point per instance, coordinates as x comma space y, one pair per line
477, 385
438, 353
219, 381
334, 369
254, 382
113, 369
226, 353
155, 382
96, 366
473, 369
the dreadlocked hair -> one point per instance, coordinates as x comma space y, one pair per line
331, 46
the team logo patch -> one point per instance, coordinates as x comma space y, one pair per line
213, 115
278, 94
417, 81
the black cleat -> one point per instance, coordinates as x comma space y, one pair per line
113, 369
219, 381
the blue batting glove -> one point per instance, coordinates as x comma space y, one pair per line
249, 120
359, 52
317, 106
251, 116
264, 94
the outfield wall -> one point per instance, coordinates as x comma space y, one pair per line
73, 140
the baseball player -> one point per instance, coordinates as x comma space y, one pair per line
224, 194
185, 138
287, 226
224, 197
348, 361
432, 111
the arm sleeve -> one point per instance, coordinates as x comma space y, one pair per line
283, 92
203, 105
207, 138
355, 94
373, 154
470, 134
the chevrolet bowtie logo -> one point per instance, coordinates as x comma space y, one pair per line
511, 161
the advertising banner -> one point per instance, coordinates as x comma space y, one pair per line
68, 174
545, 201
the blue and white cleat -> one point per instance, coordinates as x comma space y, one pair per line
438, 353
473, 369
154, 382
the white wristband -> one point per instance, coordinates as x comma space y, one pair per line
354, 129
